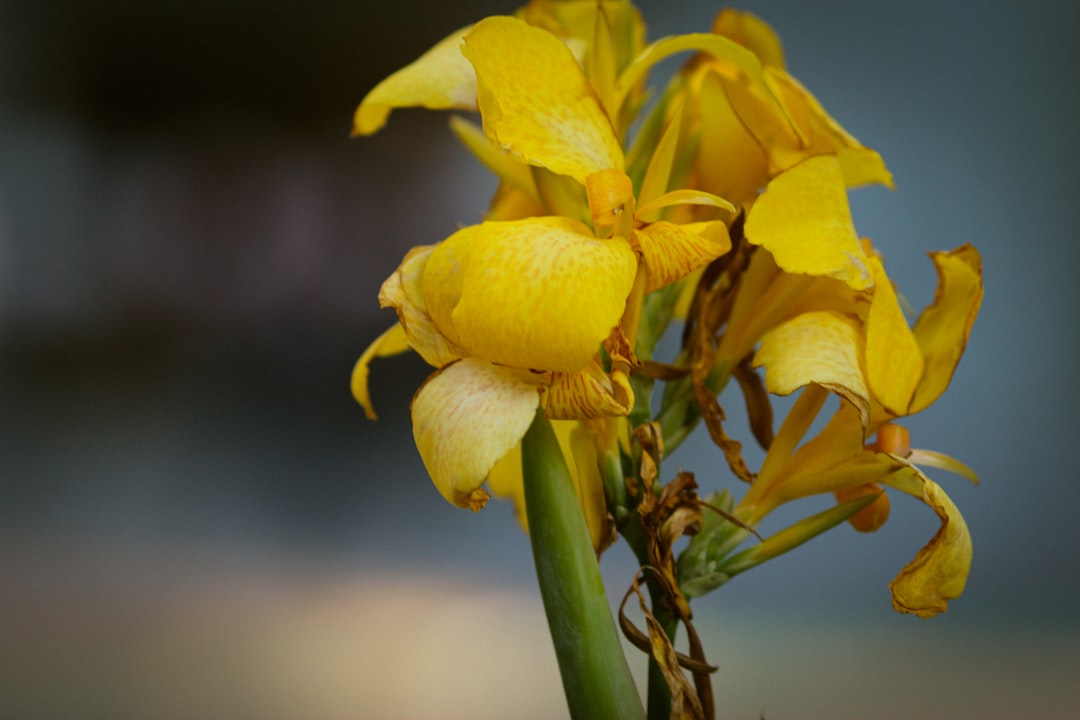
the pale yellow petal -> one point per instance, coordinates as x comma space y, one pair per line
391, 342
536, 102
894, 363
816, 347
539, 293
439, 79
941, 461
466, 417
939, 571
403, 291
804, 220
671, 251
943, 328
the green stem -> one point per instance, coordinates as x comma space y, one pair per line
595, 675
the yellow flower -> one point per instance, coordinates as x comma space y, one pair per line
883, 370
808, 256
513, 313
756, 124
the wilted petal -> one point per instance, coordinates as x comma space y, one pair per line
587, 394
536, 101
804, 220
671, 251
939, 571
391, 342
465, 418
538, 293
894, 363
439, 79
816, 347
943, 328
403, 291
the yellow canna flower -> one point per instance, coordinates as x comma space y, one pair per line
514, 313
883, 370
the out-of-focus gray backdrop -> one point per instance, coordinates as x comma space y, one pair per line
198, 522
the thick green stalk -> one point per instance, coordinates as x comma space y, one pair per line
595, 675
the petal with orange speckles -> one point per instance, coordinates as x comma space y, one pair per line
465, 418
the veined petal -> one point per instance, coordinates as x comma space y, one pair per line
671, 251
391, 342
539, 293
943, 328
816, 347
894, 363
536, 101
587, 394
804, 220
403, 291
465, 418
939, 571
439, 79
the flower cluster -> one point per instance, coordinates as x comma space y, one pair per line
726, 209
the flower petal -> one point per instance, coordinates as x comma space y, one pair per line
822, 135
536, 101
804, 220
894, 363
730, 160
751, 32
943, 328
587, 394
671, 252
439, 79
820, 347
939, 571
391, 342
465, 418
539, 293
403, 292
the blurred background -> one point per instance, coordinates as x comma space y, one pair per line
197, 521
